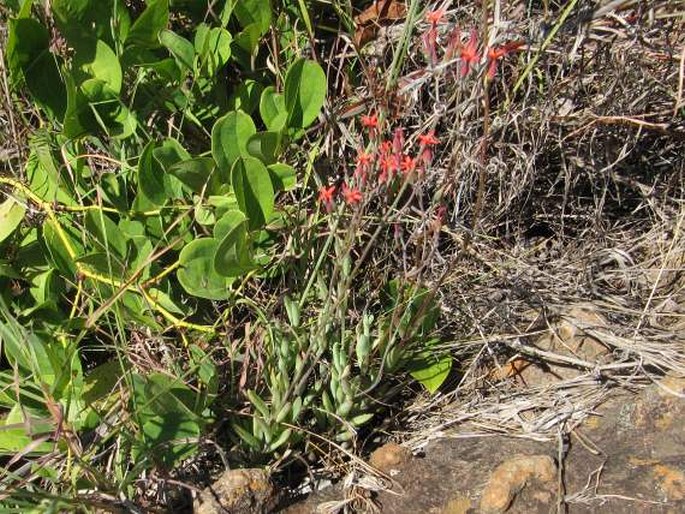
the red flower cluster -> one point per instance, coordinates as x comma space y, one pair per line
326, 197
427, 142
430, 37
468, 53
388, 161
370, 122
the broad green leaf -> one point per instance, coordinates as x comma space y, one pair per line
113, 189
97, 106
47, 286
11, 214
230, 135
245, 45
182, 49
431, 372
214, 48
272, 109
167, 410
200, 41
150, 176
253, 190
219, 46
105, 264
197, 274
30, 59
145, 30
154, 178
283, 176
82, 22
102, 64
194, 173
57, 250
232, 256
264, 146
305, 92
246, 97
165, 301
256, 12
99, 383
22, 430
107, 235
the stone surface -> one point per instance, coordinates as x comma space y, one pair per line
390, 457
239, 491
512, 476
629, 458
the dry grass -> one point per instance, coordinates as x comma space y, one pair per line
571, 194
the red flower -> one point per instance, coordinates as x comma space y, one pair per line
408, 164
453, 43
469, 53
326, 196
429, 39
398, 141
435, 17
428, 139
363, 163
351, 195
386, 148
496, 53
364, 158
370, 122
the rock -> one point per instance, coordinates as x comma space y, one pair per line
458, 505
389, 457
671, 481
238, 491
511, 477
567, 337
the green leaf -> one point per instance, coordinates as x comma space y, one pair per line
170, 421
30, 59
232, 257
101, 64
305, 92
11, 214
283, 176
82, 22
264, 146
101, 381
272, 109
145, 30
197, 274
431, 372
253, 190
245, 44
219, 46
194, 173
150, 176
182, 49
106, 233
257, 12
247, 96
230, 135
214, 48
57, 250
154, 178
94, 105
